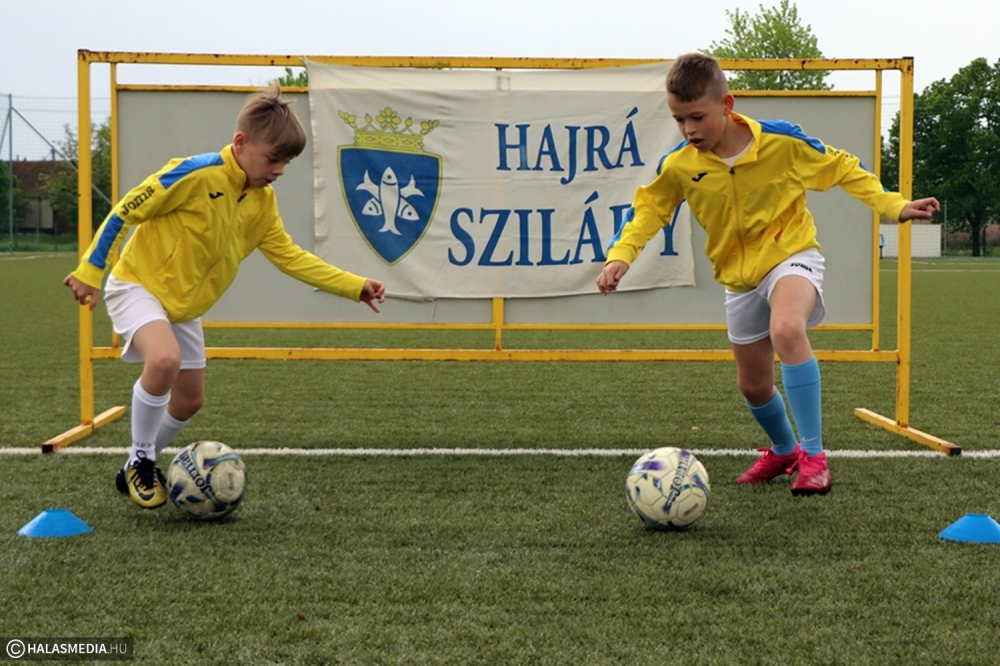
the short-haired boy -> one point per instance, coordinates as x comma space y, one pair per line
745, 181
195, 220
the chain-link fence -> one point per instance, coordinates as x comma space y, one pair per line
961, 243
37, 132
890, 109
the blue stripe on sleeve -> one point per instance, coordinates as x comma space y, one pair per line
189, 165
99, 257
884, 188
786, 128
789, 129
629, 216
659, 167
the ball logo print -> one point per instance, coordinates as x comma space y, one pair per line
206, 480
668, 488
15, 649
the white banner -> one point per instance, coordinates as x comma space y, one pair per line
482, 184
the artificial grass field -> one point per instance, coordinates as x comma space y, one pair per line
510, 559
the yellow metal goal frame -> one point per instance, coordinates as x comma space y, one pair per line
901, 356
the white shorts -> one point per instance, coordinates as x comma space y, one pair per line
748, 313
131, 307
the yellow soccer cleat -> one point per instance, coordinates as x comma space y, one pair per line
145, 484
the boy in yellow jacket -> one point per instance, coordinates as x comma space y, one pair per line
195, 220
745, 181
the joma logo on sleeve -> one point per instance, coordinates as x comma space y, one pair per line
137, 201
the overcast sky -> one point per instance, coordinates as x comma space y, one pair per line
40, 38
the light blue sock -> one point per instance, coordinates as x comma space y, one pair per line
773, 418
803, 390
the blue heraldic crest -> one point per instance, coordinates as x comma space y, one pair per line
391, 184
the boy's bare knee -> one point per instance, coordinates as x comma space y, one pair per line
756, 392
184, 407
163, 364
186, 397
787, 335
193, 404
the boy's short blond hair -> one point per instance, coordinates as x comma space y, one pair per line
694, 75
267, 117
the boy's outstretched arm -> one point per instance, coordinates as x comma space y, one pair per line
922, 209
84, 293
612, 274
371, 292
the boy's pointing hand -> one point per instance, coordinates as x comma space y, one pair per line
611, 276
920, 209
373, 291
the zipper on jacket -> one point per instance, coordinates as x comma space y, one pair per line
738, 207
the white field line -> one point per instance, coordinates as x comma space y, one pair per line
943, 270
937, 262
40, 255
568, 453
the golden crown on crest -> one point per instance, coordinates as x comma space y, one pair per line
388, 130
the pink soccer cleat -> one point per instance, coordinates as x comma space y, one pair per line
770, 466
813, 476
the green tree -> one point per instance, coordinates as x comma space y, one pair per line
61, 188
773, 33
297, 79
956, 147
10, 192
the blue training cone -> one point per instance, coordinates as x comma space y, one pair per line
55, 523
973, 528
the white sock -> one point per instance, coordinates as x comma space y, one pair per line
147, 413
169, 427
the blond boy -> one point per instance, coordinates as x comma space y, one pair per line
195, 220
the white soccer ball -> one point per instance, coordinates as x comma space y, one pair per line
668, 488
206, 480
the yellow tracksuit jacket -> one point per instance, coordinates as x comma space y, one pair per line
755, 212
194, 225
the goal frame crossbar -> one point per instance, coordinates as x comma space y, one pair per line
899, 423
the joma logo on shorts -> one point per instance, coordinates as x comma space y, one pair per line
802, 266
137, 201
